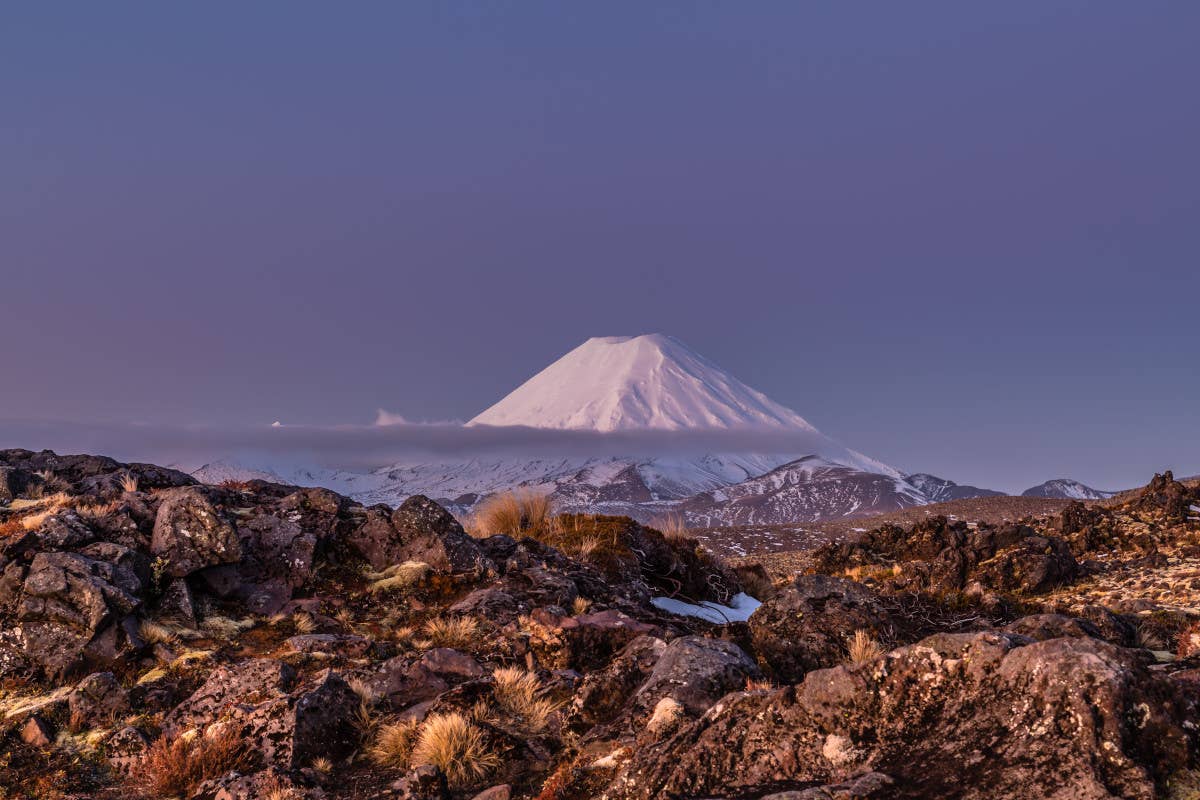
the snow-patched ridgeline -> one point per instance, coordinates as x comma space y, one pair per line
1066, 489
624, 385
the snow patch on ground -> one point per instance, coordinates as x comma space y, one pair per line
739, 609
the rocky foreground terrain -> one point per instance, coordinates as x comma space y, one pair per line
163, 638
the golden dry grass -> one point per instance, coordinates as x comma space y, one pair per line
221, 627
129, 483
303, 622
398, 577
406, 636
156, 633
583, 547
455, 745
520, 697
94, 511
457, 632
517, 513
175, 767
672, 526
863, 647
580, 605
393, 744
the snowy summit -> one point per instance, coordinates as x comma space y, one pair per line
613, 383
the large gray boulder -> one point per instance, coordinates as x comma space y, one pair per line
805, 625
419, 530
191, 533
74, 608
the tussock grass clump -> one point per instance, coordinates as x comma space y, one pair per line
516, 514
455, 745
519, 695
406, 636
398, 577
156, 633
1149, 638
583, 547
365, 693
456, 632
189, 657
303, 622
393, 744
96, 511
671, 526
580, 605
128, 483
175, 767
220, 627
863, 647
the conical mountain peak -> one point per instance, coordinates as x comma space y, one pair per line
652, 381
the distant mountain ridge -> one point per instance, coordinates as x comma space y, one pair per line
805, 490
1068, 489
940, 490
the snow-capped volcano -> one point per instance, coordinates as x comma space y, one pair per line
656, 400
655, 382
613, 383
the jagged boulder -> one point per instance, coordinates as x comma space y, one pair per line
325, 723
1030, 565
583, 642
74, 608
98, 699
945, 556
695, 672
191, 533
970, 716
1165, 496
287, 725
12, 483
653, 686
806, 624
603, 693
1041, 627
419, 530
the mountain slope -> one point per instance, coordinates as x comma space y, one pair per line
1066, 488
940, 490
805, 490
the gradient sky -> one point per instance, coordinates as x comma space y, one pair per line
960, 237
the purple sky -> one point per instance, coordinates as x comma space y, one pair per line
959, 237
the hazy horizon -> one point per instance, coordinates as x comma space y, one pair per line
959, 239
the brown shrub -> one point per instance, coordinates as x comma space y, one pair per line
175, 767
